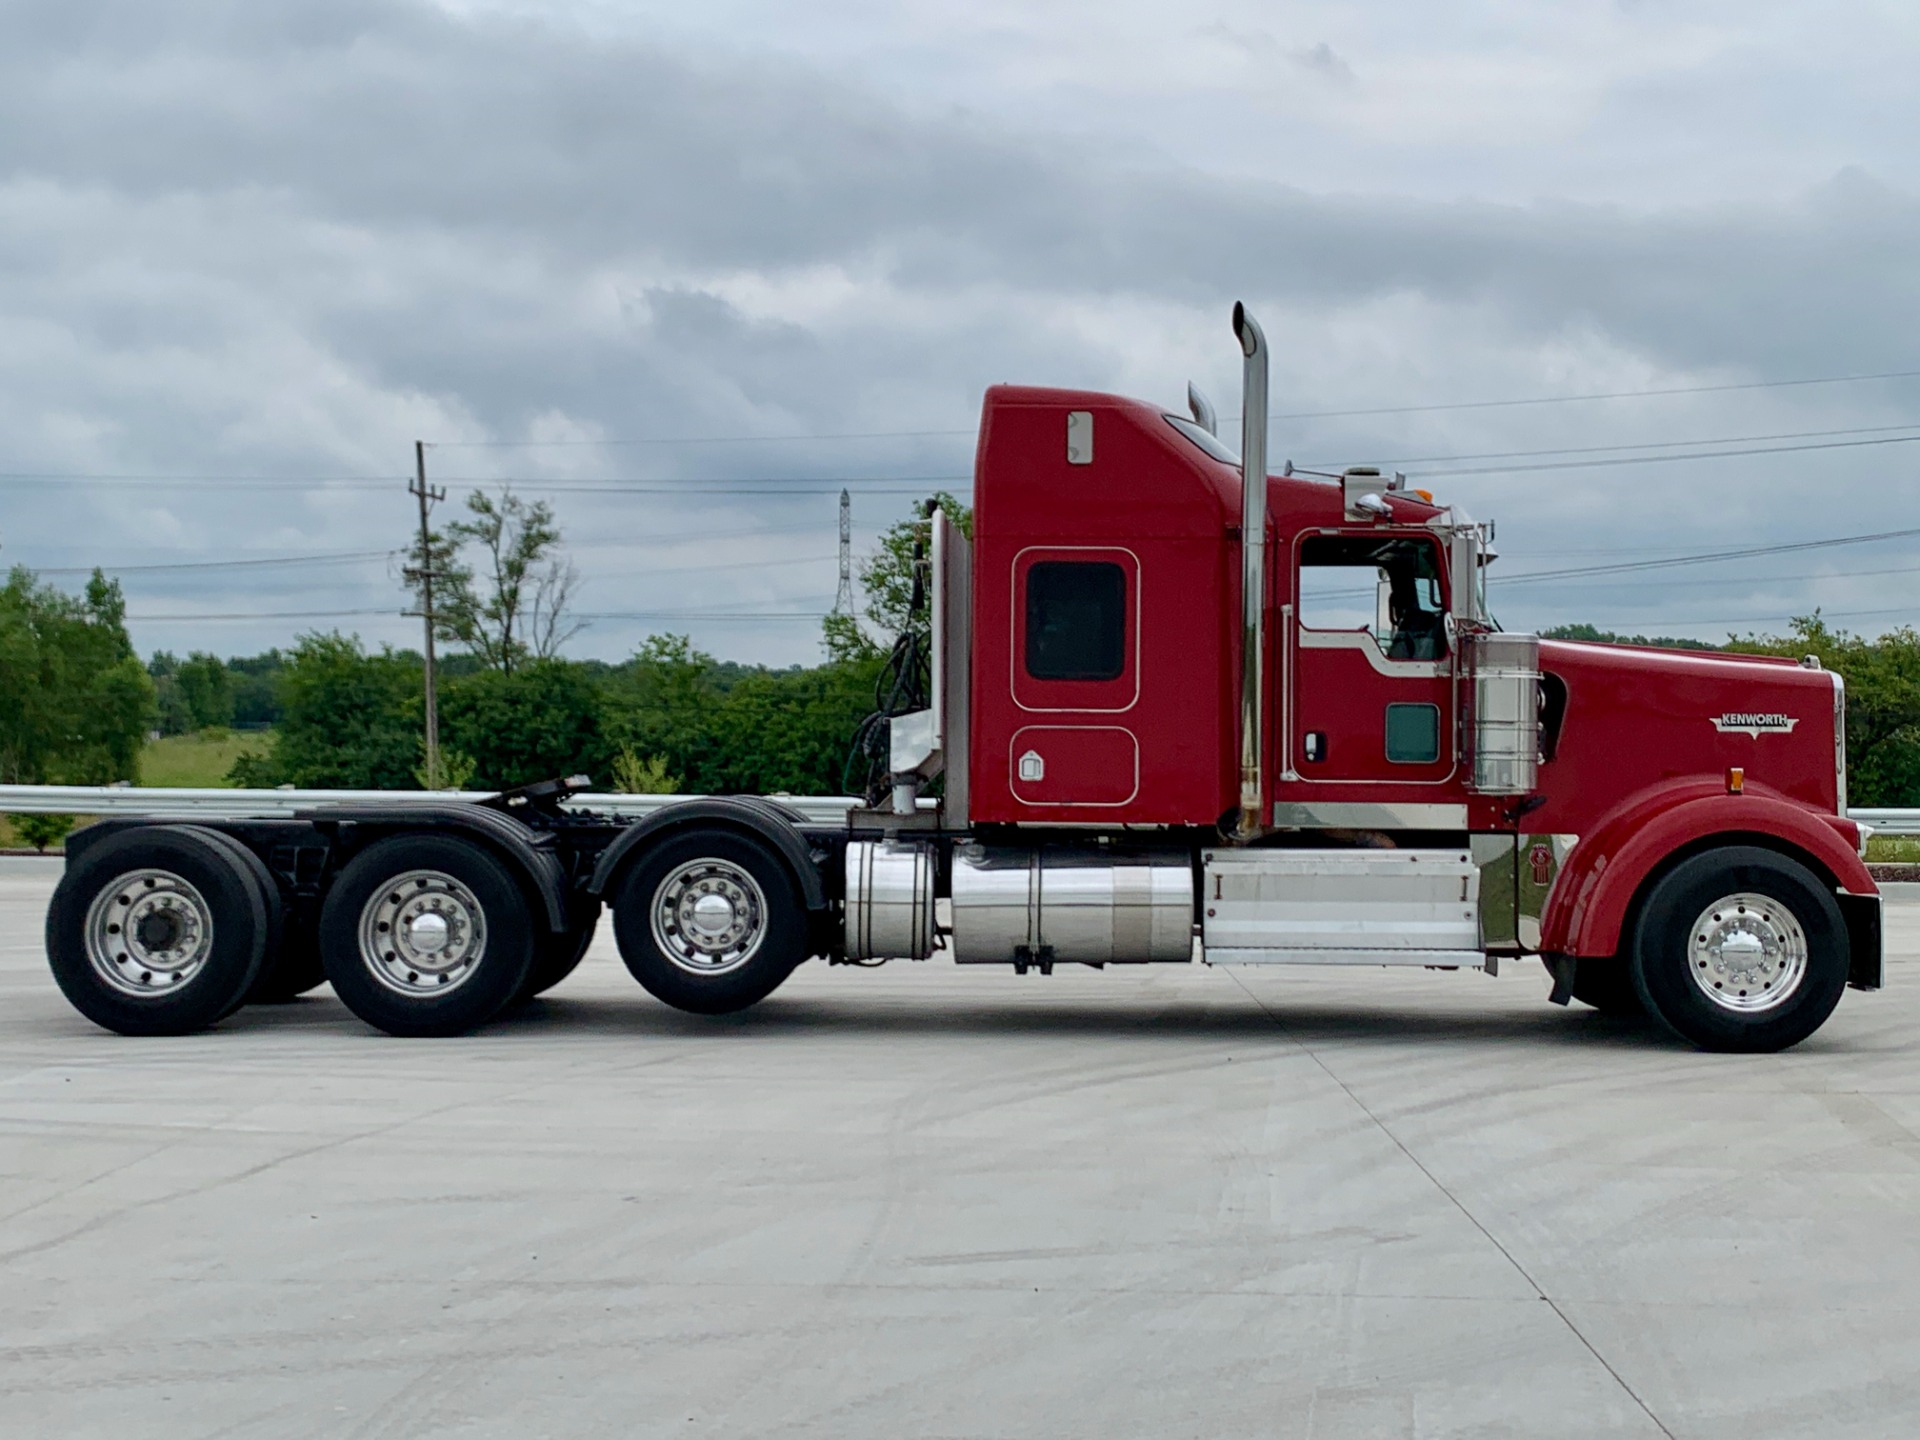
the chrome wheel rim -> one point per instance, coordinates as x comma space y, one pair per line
709, 916
149, 932
422, 933
1747, 953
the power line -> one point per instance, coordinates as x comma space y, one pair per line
1277, 415
270, 615
705, 615
615, 485
1707, 558
1641, 445
1767, 579
694, 440
1598, 395
1610, 461
1771, 618
335, 557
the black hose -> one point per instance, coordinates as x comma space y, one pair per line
904, 685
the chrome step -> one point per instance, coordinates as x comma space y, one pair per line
1340, 907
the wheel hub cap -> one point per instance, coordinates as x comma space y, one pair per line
1747, 953
422, 933
709, 916
149, 931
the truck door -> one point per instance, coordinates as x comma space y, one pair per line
1369, 670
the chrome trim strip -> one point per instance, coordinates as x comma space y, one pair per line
1015, 658
1013, 770
1367, 815
1365, 642
1463, 959
1839, 741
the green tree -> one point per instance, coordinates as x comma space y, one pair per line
75, 702
721, 729
1608, 637
40, 830
536, 722
206, 688
514, 605
1883, 702
887, 577
256, 699
174, 716
663, 703
351, 720
642, 775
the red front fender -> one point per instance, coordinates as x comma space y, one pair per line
1589, 902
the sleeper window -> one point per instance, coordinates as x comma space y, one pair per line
1076, 620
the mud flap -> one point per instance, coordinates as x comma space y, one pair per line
1862, 914
1562, 968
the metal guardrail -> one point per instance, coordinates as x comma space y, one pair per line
1888, 822
266, 804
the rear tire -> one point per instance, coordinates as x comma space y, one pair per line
710, 922
1607, 985
158, 931
556, 956
1740, 949
294, 971
426, 935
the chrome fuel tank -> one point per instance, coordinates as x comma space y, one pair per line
1067, 905
889, 911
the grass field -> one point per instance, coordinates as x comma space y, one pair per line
197, 760
1890, 848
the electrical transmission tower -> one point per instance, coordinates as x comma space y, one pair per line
843, 601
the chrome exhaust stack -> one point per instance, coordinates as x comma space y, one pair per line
1253, 569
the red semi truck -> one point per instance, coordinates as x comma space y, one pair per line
1183, 709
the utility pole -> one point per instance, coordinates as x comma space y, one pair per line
843, 601
425, 575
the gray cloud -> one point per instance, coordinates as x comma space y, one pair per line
287, 239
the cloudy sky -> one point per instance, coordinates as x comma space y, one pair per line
684, 270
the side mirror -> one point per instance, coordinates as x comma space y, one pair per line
1463, 559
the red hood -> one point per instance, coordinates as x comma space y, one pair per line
1635, 717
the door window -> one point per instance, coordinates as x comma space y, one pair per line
1387, 585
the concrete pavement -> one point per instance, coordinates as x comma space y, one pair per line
930, 1202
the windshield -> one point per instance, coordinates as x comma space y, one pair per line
1205, 439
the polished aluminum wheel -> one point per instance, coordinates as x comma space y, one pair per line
422, 933
1747, 953
709, 916
148, 932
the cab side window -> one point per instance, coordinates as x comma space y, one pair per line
1076, 620
1387, 585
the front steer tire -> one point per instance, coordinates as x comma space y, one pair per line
158, 931
1740, 949
426, 935
710, 921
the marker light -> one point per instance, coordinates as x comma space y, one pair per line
1426, 495
1736, 777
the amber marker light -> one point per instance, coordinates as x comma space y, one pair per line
1736, 778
